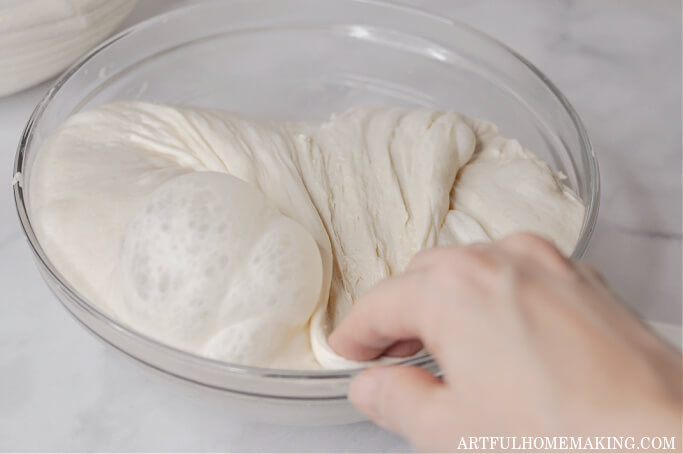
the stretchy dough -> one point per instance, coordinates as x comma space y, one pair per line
248, 241
40, 38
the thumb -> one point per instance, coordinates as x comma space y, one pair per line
396, 397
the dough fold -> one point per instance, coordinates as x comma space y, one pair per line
248, 241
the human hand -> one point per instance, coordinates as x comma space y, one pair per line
529, 342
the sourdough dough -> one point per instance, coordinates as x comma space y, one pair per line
247, 240
39, 38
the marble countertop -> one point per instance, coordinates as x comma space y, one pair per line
618, 62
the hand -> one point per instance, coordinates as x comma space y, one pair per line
530, 344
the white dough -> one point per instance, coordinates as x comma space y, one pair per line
248, 241
205, 258
39, 38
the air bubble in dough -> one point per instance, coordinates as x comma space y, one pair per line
206, 257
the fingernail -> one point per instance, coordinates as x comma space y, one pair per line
363, 394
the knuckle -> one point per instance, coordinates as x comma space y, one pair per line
529, 239
542, 248
457, 261
425, 253
451, 276
446, 267
426, 257
586, 269
591, 271
423, 256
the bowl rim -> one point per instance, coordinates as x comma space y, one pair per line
587, 229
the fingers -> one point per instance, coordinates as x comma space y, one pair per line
407, 306
430, 257
404, 348
546, 255
438, 282
536, 250
396, 397
589, 273
389, 312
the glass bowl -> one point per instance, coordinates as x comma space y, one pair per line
39, 39
301, 60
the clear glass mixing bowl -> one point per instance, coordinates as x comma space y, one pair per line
301, 59
39, 39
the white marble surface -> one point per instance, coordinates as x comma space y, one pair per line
619, 63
